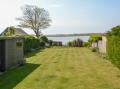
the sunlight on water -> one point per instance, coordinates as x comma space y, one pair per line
67, 39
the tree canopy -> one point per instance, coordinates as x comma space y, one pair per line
114, 31
95, 38
10, 31
35, 18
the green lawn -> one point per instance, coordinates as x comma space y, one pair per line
63, 68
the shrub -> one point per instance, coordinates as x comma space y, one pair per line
54, 44
69, 43
113, 45
45, 42
44, 39
86, 44
113, 49
75, 43
94, 49
50, 42
31, 43
42, 44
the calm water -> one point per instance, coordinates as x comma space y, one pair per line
67, 39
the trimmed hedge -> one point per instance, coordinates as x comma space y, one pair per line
31, 43
113, 49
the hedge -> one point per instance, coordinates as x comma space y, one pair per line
113, 49
75, 43
31, 43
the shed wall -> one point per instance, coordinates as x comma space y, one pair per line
14, 54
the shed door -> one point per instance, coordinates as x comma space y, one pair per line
2, 55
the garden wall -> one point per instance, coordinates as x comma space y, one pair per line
102, 45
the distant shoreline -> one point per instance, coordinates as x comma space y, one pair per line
71, 35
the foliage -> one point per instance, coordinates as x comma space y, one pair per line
95, 38
113, 49
94, 49
75, 43
56, 43
113, 45
69, 43
42, 44
50, 42
35, 18
7, 33
31, 43
86, 44
44, 39
10, 31
115, 31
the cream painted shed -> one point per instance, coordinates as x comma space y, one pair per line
11, 52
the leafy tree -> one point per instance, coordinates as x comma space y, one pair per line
95, 38
7, 34
10, 31
44, 39
35, 18
114, 31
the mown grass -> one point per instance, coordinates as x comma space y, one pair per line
63, 68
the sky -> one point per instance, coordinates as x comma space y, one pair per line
68, 16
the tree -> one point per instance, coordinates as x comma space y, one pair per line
44, 39
114, 31
95, 38
10, 31
35, 18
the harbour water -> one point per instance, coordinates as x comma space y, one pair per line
65, 40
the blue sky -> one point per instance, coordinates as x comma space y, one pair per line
68, 16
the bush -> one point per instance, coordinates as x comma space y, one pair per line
113, 45
42, 44
75, 43
94, 49
44, 39
69, 44
113, 49
86, 44
54, 44
50, 42
31, 43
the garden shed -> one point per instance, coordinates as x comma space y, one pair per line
11, 52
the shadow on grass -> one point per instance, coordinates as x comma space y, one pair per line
31, 54
11, 78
